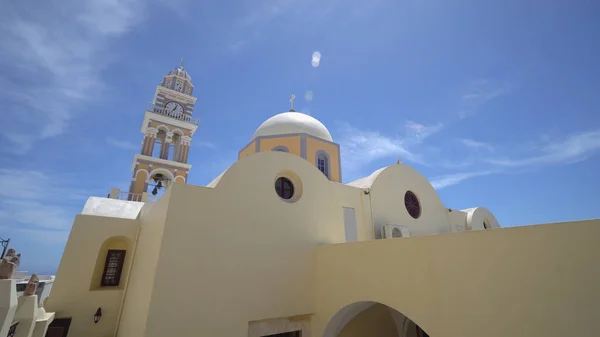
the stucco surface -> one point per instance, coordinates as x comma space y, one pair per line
523, 281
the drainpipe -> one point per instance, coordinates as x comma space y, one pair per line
120, 314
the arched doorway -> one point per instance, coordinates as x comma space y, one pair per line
372, 319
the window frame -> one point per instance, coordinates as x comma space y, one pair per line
104, 282
281, 190
323, 155
412, 206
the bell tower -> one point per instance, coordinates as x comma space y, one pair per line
168, 128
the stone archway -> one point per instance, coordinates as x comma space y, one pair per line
371, 319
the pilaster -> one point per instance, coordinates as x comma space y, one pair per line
185, 143
149, 140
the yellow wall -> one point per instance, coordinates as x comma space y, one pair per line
249, 256
71, 295
147, 251
375, 321
248, 150
522, 281
292, 143
209, 260
313, 145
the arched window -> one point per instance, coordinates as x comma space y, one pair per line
111, 263
157, 149
280, 149
322, 162
175, 147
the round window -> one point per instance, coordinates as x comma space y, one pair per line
284, 188
411, 202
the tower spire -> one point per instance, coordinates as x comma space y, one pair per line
181, 64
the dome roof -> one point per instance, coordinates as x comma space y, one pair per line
290, 123
181, 73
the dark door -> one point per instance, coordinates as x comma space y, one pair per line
59, 327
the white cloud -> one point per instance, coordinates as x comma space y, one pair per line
35, 201
420, 131
478, 94
360, 148
573, 148
440, 182
122, 144
473, 144
56, 57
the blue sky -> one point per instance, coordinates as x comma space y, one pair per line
496, 102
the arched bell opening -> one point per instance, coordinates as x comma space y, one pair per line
159, 180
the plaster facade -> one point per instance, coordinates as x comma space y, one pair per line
276, 245
218, 274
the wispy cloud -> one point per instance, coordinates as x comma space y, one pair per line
33, 201
360, 148
420, 131
473, 144
263, 15
440, 182
573, 148
478, 94
204, 143
56, 58
121, 144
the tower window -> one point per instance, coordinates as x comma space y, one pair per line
113, 267
284, 188
323, 163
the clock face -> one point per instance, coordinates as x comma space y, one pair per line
174, 109
178, 85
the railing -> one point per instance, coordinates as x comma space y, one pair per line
130, 196
115, 193
163, 112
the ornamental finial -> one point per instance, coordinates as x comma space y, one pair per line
292, 102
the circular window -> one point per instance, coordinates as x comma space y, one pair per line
284, 188
411, 202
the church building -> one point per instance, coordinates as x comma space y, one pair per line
278, 246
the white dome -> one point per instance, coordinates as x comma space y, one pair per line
290, 123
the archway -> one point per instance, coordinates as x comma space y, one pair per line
371, 319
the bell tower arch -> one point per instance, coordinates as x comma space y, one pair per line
168, 127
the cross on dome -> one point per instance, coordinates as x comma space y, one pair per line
292, 102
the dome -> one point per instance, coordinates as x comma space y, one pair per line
181, 73
290, 123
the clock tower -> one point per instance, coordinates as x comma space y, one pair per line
168, 128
